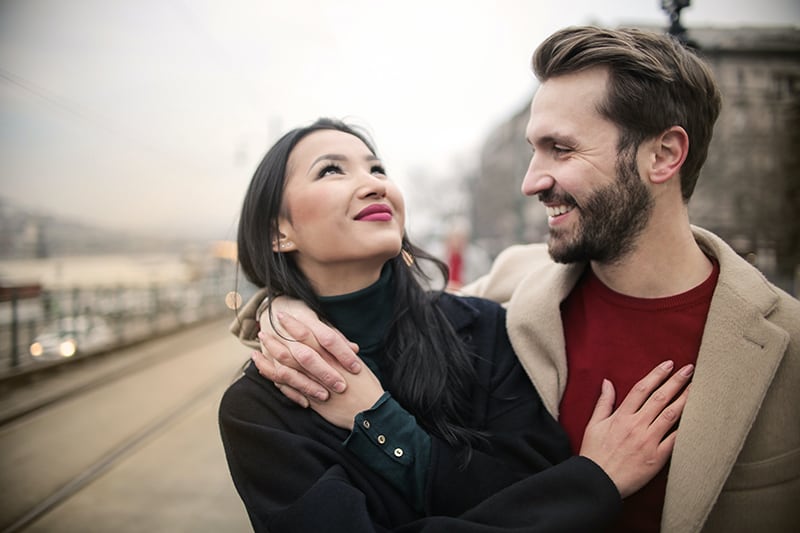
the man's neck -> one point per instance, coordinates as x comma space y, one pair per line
665, 261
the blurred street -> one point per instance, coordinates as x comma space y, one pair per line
125, 442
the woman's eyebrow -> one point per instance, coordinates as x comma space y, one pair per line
339, 157
333, 157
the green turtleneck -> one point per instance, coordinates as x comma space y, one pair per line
364, 316
386, 438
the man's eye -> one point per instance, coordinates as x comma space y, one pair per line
560, 149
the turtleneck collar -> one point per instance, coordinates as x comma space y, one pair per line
363, 316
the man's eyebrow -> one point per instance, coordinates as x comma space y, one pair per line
555, 138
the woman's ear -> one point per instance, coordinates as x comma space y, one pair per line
669, 152
283, 243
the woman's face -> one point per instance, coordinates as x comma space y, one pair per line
342, 218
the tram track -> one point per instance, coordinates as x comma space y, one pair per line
105, 463
101, 419
99, 370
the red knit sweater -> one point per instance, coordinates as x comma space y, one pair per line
610, 335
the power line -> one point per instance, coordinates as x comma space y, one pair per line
95, 120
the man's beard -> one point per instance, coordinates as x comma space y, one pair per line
610, 220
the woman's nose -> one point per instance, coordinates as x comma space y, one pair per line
373, 186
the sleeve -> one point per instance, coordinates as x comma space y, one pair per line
283, 477
571, 497
388, 440
333, 504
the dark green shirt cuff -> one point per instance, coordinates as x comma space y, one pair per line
388, 440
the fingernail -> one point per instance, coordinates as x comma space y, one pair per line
338, 386
355, 367
280, 315
687, 370
667, 365
321, 396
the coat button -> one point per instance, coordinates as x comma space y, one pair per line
398, 452
381, 439
365, 424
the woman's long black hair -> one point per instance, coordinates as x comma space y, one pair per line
429, 368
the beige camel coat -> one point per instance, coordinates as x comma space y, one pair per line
736, 463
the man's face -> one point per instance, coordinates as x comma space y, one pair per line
596, 202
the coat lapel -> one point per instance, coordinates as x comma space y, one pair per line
535, 328
739, 355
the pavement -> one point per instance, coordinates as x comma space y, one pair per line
129, 444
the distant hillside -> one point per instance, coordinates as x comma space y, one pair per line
25, 234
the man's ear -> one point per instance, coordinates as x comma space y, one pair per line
669, 151
284, 242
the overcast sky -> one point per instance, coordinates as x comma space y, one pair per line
152, 115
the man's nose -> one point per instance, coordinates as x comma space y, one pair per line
536, 179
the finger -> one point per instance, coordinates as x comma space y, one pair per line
307, 363
345, 349
293, 395
657, 401
264, 365
666, 445
322, 338
669, 416
287, 376
269, 369
276, 349
605, 403
664, 451
641, 391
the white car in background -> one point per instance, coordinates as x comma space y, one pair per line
72, 335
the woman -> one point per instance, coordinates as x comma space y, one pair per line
443, 431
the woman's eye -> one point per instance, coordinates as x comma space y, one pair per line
377, 169
329, 170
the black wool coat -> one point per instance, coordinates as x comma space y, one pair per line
294, 475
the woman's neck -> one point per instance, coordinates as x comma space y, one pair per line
363, 316
342, 278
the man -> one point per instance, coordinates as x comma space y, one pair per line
620, 128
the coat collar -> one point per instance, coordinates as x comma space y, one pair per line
460, 312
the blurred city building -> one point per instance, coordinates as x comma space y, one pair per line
749, 190
69, 290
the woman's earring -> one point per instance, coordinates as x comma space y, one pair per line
407, 257
284, 244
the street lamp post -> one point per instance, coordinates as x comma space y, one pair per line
673, 9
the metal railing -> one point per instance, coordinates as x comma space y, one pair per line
98, 319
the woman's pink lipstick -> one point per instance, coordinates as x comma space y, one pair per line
375, 213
